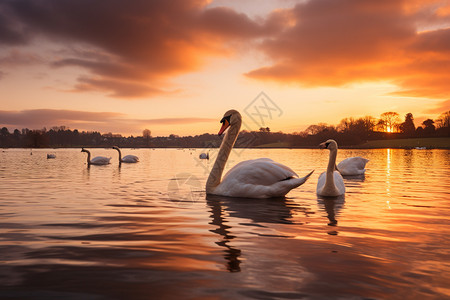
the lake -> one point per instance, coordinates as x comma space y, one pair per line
148, 231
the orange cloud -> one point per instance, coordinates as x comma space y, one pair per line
442, 107
334, 43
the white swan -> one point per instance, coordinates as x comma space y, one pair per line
51, 155
330, 183
352, 166
257, 178
98, 160
128, 158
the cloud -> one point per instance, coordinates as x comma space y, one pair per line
440, 108
138, 46
16, 57
336, 43
83, 120
134, 50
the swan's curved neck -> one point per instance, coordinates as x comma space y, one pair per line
120, 154
225, 149
88, 157
330, 169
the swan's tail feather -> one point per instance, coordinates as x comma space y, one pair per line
309, 174
299, 181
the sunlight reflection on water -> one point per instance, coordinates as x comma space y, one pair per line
69, 231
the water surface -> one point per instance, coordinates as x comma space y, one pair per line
147, 230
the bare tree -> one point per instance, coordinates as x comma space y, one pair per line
389, 121
444, 120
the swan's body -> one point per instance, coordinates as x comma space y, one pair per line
330, 183
204, 156
98, 160
127, 158
352, 166
257, 178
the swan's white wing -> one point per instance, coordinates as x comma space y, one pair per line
262, 171
130, 159
100, 160
259, 178
352, 166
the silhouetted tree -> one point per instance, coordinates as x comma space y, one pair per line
408, 128
147, 134
429, 127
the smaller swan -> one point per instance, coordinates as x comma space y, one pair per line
204, 155
51, 155
330, 183
126, 159
352, 166
98, 160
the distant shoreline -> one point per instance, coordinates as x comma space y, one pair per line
413, 143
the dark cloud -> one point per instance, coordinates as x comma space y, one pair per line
140, 44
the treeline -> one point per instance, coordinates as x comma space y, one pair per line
349, 132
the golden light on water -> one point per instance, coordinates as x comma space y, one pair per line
388, 176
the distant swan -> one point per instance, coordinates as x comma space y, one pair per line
330, 183
204, 156
127, 158
51, 155
257, 178
352, 166
98, 160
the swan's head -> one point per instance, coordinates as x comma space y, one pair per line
230, 118
84, 150
115, 147
329, 144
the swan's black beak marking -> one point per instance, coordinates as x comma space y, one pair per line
225, 124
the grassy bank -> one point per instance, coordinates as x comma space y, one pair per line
429, 143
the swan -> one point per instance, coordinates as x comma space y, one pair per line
98, 160
127, 158
257, 178
51, 156
330, 183
204, 156
352, 166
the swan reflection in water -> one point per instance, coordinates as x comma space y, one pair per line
331, 205
272, 210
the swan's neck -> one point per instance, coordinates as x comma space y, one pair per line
330, 169
88, 157
225, 149
120, 155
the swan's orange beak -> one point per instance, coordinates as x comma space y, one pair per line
225, 125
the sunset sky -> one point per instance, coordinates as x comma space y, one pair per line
177, 66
